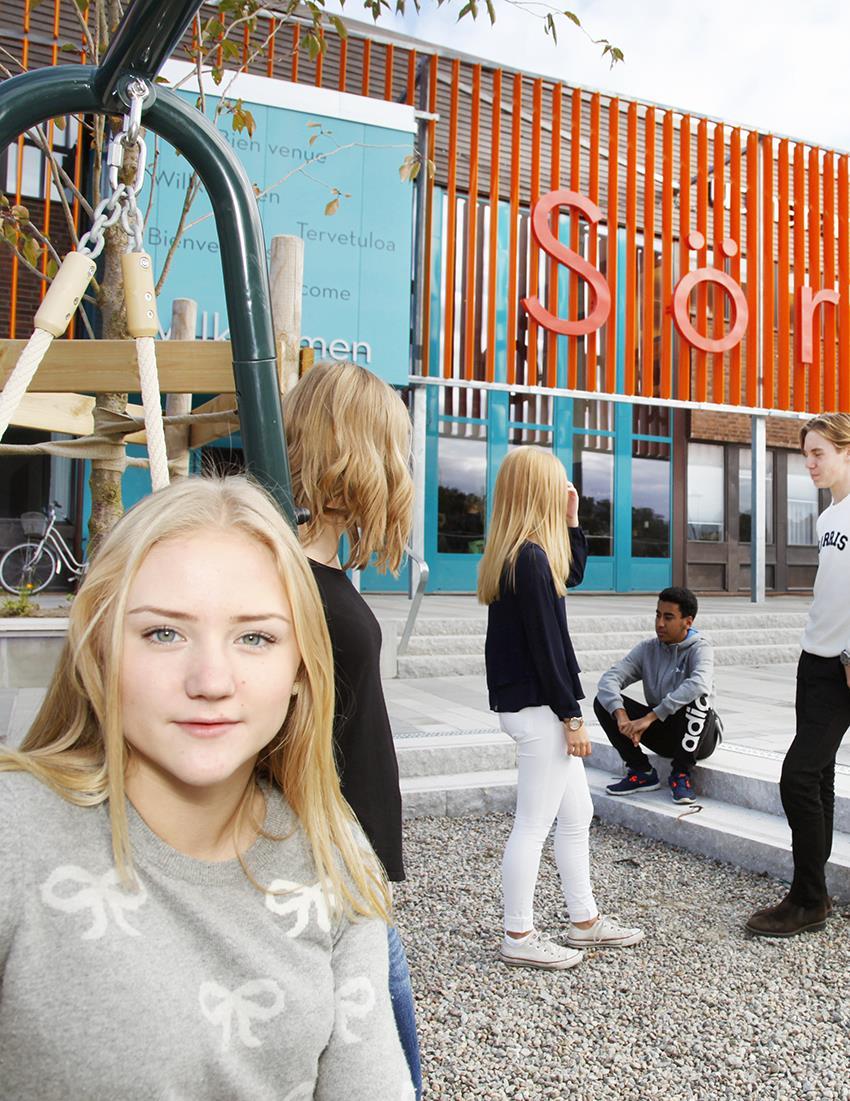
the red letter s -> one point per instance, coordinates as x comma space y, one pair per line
600, 295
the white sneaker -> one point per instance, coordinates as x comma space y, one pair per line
604, 933
536, 950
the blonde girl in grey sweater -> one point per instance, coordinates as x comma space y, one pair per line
187, 907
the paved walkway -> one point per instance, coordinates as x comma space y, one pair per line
756, 702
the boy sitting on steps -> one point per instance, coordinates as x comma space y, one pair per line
677, 721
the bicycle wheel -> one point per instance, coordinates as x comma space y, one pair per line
25, 569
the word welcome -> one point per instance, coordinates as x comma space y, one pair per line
807, 301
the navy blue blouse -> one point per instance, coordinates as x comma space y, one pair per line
529, 656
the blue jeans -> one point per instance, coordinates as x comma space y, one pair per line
401, 995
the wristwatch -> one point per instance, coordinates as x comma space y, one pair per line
575, 723
844, 657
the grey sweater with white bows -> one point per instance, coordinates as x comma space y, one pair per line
197, 986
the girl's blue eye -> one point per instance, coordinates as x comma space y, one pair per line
162, 634
256, 639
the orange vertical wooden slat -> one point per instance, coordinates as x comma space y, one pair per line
411, 78
343, 64
783, 276
828, 392
631, 248
593, 233
451, 227
799, 373
702, 256
768, 279
552, 271
753, 245
48, 173
575, 184
613, 226
425, 335
666, 380
843, 281
470, 351
813, 175
367, 67
270, 47
495, 153
13, 295
533, 247
683, 389
296, 41
320, 60
513, 239
389, 64
719, 211
735, 261
647, 364
246, 47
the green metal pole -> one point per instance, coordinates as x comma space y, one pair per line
36, 96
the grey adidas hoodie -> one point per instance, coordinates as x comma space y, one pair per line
673, 674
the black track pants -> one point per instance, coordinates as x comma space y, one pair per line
807, 785
663, 737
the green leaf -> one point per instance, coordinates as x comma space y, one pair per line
31, 250
332, 207
491, 11
339, 26
229, 49
571, 15
552, 29
59, 122
68, 47
217, 74
52, 268
20, 213
10, 232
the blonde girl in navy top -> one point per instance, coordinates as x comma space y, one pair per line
536, 550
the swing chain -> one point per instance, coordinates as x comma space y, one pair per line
121, 204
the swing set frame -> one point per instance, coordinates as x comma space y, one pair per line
146, 38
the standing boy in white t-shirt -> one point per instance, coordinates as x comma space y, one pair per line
823, 692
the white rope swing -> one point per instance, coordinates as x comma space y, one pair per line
69, 285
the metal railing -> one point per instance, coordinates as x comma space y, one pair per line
414, 595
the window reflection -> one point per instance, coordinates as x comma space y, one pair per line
650, 499
802, 504
461, 495
745, 496
705, 492
593, 477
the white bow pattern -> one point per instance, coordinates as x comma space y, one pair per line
284, 897
355, 999
103, 895
255, 1000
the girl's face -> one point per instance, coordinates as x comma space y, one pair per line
209, 661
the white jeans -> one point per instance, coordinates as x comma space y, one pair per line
550, 784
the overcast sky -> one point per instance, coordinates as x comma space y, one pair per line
778, 65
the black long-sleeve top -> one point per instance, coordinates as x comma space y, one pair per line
528, 653
363, 739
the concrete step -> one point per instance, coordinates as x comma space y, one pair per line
622, 641
463, 752
740, 820
604, 624
444, 664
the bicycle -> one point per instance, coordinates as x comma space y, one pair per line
29, 567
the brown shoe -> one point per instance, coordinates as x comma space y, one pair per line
787, 919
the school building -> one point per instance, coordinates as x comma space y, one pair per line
620, 281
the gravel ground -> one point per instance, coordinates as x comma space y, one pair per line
699, 1010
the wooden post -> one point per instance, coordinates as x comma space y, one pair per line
287, 279
184, 320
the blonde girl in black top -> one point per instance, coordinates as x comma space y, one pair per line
348, 436
535, 550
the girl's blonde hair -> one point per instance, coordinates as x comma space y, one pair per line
834, 427
76, 745
348, 436
529, 506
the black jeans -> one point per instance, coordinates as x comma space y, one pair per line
663, 737
807, 785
